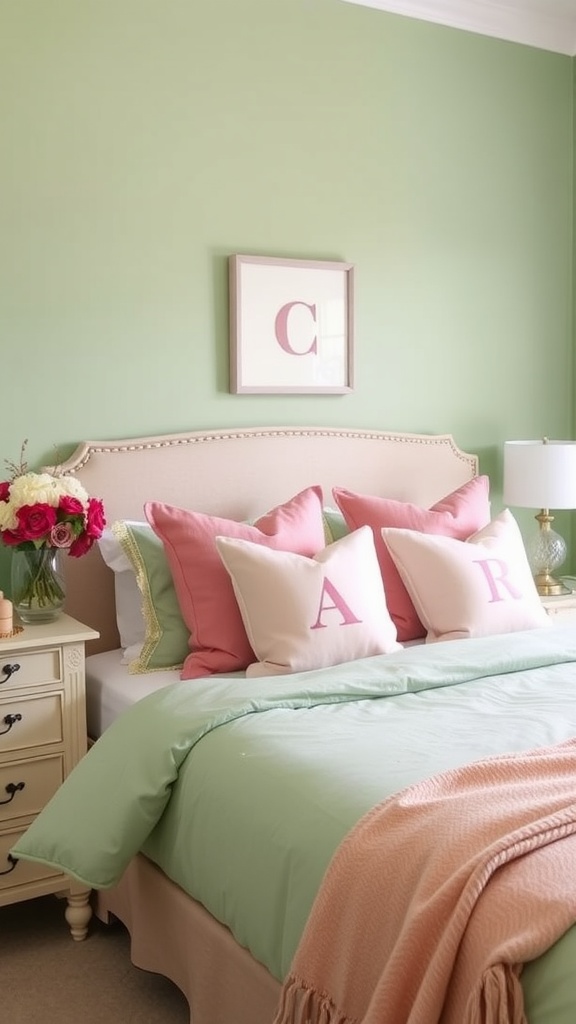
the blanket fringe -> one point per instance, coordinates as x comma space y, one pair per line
499, 998
300, 1004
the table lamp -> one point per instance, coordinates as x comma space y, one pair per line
542, 474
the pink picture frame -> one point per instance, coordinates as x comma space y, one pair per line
291, 326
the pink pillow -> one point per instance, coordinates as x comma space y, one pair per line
304, 613
457, 515
477, 587
218, 640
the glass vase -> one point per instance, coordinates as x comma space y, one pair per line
38, 586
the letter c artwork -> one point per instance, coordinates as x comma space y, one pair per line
281, 328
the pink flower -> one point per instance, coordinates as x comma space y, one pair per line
95, 519
5, 490
81, 545
35, 521
61, 535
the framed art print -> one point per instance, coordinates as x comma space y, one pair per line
291, 326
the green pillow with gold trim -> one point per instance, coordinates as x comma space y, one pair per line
166, 634
335, 526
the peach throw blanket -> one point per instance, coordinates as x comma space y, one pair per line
436, 898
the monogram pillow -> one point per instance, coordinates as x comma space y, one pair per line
304, 613
476, 587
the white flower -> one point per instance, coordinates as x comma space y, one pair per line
8, 519
44, 489
33, 489
71, 486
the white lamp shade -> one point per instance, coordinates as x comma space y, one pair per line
540, 474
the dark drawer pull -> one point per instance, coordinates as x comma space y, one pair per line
12, 788
9, 721
8, 671
12, 862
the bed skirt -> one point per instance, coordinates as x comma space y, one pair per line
173, 935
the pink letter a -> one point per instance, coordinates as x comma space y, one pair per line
338, 602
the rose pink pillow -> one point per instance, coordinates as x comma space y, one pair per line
476, 587
304, 613
218, 640
457, 515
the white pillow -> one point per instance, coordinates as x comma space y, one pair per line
129, 616
476, 587
303, 613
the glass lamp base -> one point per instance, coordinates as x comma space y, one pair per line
546, 553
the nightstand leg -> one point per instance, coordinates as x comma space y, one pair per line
78, 914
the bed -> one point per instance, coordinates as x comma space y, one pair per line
491, 696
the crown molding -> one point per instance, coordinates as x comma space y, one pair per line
545, 24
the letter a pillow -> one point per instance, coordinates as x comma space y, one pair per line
304, 613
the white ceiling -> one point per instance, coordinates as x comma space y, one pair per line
546, 24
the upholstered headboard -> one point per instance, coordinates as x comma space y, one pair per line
240, 474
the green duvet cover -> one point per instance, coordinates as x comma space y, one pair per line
242, 789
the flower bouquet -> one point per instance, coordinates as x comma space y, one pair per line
41, 516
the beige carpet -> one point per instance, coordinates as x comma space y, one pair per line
47, 978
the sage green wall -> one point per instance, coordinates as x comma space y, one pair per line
143, 141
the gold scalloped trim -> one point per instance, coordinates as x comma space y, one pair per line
152, 630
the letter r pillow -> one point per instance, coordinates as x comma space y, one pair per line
477, 587
303, 613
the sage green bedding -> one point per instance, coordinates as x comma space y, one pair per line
241, 789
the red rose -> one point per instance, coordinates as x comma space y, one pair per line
5, 490
70, 506
95, 519
35, 521
81, 545
12, 537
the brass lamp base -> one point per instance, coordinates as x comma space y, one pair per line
548, 586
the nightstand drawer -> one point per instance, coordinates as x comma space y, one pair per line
23, 871
30, 722
26, 786
34, 667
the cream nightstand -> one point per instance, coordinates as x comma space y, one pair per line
562, 609
42, 737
